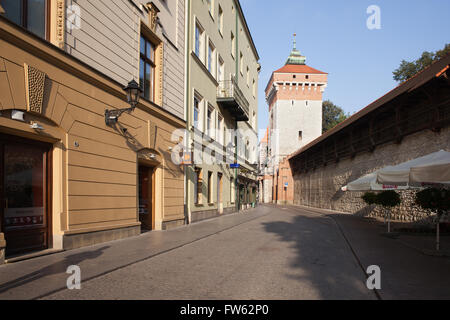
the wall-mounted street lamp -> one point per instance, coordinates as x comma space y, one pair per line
133, 91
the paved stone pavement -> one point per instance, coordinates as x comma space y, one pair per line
265, 253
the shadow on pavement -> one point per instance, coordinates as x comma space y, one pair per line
56, 268
323, 258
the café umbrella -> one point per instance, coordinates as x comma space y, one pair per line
428, 170
369, 183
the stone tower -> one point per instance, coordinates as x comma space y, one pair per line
294, 95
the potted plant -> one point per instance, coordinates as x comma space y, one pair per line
435, 200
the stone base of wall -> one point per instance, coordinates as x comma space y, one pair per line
167, 225
2, 248
210, 214
284, 203
88, 239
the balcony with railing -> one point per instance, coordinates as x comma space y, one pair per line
232, 99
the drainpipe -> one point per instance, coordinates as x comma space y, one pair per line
238, 199
188, 113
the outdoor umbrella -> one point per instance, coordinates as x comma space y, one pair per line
369, 183
431, 169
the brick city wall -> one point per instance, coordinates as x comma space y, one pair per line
321, 188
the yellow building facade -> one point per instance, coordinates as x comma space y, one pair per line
68, 178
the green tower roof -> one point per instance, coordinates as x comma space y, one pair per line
296, 58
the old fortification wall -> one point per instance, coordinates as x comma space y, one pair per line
321, 188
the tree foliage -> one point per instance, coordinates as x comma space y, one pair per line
434, 199
387, 199
409, 69
369, 198
332, 115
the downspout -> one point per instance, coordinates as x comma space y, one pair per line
238, 199
187, 112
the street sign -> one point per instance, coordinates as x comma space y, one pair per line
187, 159
235, 166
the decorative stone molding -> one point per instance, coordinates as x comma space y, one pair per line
149, 155
34, 88
58, 23
152, 15
159, 93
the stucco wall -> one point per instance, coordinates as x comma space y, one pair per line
321, 188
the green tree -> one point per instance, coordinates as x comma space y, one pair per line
332, 115
408, 69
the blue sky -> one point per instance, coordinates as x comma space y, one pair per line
334, 38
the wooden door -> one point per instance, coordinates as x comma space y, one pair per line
146, 198
25, 194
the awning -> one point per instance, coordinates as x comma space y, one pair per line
369, 183
428, 170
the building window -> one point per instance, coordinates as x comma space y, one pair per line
197, 111
199, 41
241, 59
254, 88
212, 59
211, 7
248, 77
210, 122
198, 186
220, 20
30, 14
221, 75
220, 131
147, 69
300, 135
306, 77
210, 187
233, 44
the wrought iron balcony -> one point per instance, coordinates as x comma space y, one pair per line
232, 99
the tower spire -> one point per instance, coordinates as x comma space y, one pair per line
295, 57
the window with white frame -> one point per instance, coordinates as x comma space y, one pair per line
220, 20
221, 70
197, 116
233, 44
220, 131
199, 41
211, 7
248, 77
210, 121
212, 59
241, 59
